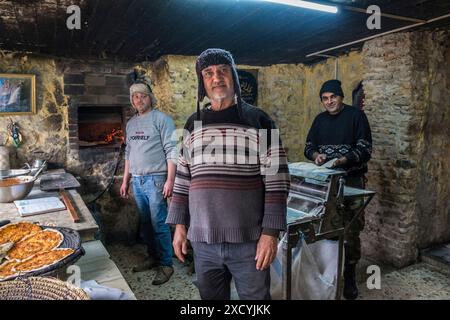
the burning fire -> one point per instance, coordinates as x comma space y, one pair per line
118, 134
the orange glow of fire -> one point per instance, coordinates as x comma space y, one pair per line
115, 133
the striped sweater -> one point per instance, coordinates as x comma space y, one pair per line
231, 182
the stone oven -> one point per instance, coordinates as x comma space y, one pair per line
101, 127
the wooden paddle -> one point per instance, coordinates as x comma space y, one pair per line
69, 205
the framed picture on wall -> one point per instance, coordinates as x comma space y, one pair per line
248, 80
17, 94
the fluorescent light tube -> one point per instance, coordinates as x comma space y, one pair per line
306, 4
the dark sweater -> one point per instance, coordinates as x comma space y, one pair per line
228, 200
344, 134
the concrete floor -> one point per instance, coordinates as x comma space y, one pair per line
419, 281
179, 287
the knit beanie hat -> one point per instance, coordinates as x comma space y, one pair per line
211, 57
333, 86
142, 88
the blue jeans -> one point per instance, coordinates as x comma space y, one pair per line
153, 213
216, 264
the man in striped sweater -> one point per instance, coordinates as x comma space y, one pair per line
231, 186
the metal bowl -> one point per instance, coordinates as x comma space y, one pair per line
16, 188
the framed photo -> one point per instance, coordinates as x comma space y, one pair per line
248, 80
17, 94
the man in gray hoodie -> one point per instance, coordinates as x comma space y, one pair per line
150, 164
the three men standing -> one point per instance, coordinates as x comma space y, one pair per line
232, 211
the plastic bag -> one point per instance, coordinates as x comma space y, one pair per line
314, 270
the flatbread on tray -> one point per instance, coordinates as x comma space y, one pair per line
42, 260
41, 241
14, 232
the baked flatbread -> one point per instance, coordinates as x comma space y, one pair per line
44, 240
14, 232
42, 260
7, 269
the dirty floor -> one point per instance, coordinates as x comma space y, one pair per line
418, 281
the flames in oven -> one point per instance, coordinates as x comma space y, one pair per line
100, 126
115, 135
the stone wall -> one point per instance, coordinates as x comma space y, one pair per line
175, 85
44, 133
405, 81
431, 80
390, 221
280, 94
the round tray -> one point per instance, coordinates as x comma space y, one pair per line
40, 288
71, 240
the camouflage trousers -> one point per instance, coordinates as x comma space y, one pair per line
352, 242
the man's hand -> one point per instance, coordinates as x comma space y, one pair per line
124, 190
180, 244
320, 159
266, 251
339, 162
168, 188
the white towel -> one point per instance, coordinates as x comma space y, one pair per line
99, 292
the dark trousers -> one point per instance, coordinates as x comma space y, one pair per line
352, 241
216, 264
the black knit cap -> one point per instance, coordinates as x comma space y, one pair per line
333, 86
211, 57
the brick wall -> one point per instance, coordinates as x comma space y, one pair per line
92, 83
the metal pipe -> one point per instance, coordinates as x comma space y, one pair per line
286, 274
336, 68
378, 35
335, 63
339, 267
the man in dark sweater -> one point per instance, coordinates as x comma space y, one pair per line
231, 187
343, 132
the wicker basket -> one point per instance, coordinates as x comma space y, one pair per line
40, 288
